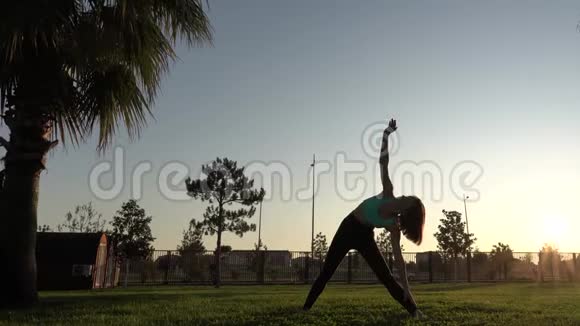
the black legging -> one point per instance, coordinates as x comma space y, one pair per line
354, 235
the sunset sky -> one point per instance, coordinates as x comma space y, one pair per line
494, 83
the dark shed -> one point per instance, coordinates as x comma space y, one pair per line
70, 261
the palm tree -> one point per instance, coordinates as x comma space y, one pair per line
69, 67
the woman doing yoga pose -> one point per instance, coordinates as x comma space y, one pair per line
405, 214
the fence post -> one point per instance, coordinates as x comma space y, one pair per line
575, 267
143, 271
469, 266
430, 266
505, 271
126, 271
552, 274
575, 277
349, 274
166, 280
261, 266
540, 267
306, 268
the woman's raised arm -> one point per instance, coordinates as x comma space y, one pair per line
384, 160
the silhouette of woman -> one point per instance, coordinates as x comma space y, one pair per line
405, 214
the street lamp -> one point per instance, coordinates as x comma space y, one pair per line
260, 225
313, 165
465, 198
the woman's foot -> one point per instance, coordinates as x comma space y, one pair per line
418, 315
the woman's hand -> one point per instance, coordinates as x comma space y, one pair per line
392, 127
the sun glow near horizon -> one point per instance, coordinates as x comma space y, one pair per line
554, 230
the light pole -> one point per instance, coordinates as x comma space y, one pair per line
260, 226
465, 198
313, 165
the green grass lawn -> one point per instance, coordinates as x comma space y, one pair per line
444, 304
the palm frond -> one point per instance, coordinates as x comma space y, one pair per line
67, 118
111, 54
179, 19
103, 38
110, 96
29, 25
27, 29
183, 19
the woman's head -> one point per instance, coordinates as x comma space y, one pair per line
412, 218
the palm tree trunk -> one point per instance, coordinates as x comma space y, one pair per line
18, 205
30, 128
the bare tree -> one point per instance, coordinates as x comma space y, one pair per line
84, 219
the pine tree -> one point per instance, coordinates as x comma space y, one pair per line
223, 186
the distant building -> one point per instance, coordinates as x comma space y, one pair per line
71, 261
238, 258
422, 259
279, 257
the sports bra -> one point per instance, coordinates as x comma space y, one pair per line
371, 212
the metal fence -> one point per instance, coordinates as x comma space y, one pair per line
293, 267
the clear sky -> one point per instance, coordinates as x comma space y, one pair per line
493, 82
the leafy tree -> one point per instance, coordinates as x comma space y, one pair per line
225, 249
527, 259
192, 252
480, 264
320, 246
68, 68
549, 249
479, 257
44, 228
550, 260
225, 185
131, 232
85, 219
192, 238
452, 240
384, 243
502, 257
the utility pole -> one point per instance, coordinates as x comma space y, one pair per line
313, 165
260, 226
465, 198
